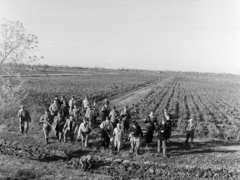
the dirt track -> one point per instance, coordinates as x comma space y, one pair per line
135, 96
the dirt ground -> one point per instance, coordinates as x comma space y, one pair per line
28, 157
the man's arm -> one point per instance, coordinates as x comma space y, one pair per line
19, 113
29, 117
140, 131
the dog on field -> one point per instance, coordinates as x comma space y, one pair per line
85, 162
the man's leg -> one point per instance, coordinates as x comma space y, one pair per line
138, 144
45, 132
192, 136
107, 142
187, 137
60, 134
86, 140
118, 146
132, 144
72, 136
26, 127
21, 128
158, 146
65, 135
164, 148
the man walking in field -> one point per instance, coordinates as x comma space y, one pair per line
162, 134
135, 137
190, 132
114, 117
24, 120
59, 122
65, 108
169, 123
69, 129
96, 112
150, 122
126, 116
54, 108
46, 121
84, 131
107, 130
71, 103
105, 111
118, 135
85, 104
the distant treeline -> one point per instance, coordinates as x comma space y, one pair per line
45, 67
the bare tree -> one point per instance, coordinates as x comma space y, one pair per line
16, 48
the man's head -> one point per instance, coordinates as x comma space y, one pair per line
59, 113
165, 111
135, 123
151, 114
125, 107
107, 120
55, 101
22, 107
85, 120
56, 97
85, 97
118, 125
71, 117
73, 97
190, 120
163, 122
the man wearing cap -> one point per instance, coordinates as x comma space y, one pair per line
46, 121
150, 122
107, 130
135, 137
69, 129
161, 131
84, 131
24, 120
190, 132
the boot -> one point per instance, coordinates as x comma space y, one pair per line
47, 141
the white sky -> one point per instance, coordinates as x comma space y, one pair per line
179, 35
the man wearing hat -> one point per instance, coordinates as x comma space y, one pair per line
135, 137
190, 132
46, 121
24, 119
107, 130
150, 122
162, 135
169, 123
69, 129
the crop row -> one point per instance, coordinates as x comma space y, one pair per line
214, 106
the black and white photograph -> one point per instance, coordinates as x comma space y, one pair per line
119, 90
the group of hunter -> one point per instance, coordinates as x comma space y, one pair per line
69, 118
